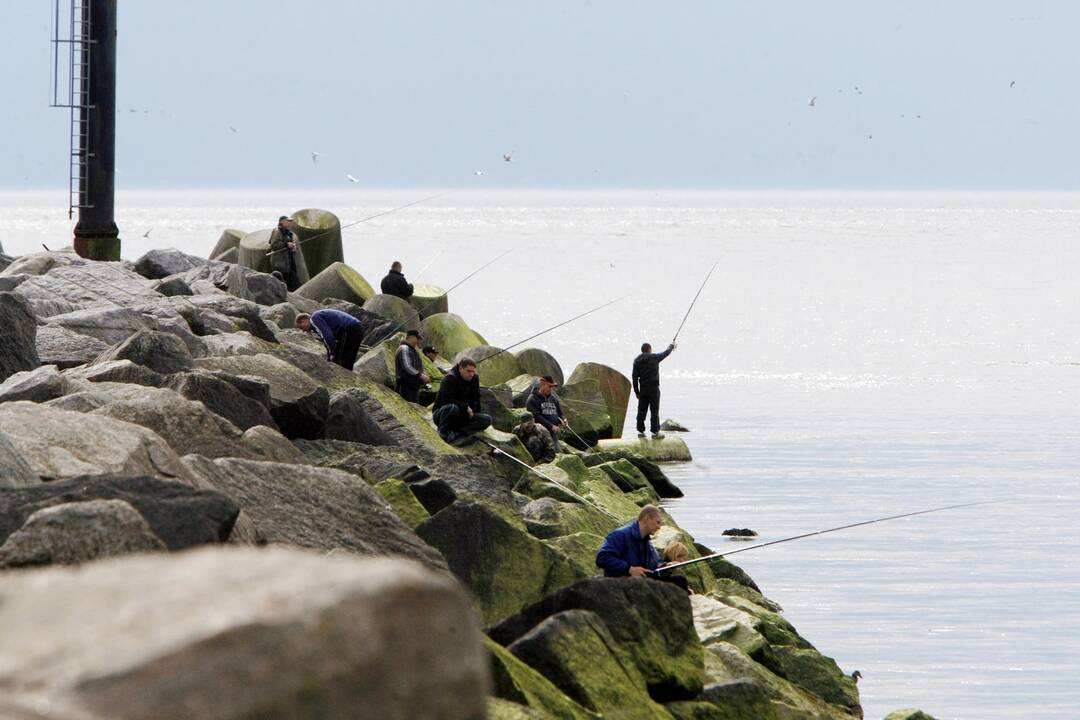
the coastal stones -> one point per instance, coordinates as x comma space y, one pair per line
39, 385
237, 280
908, 714
375, 415
161, 352
229, 241
449, 333
234, 634
670, 425
319, 234
394, 308
666, 449
537, 362
614, 388
85, 285
20, 336
315, 508
180, 515
160, 263
225, 399
514, 681
78, 532
502, 565
586, 410
404, 503
14, 471
110, 325
66, 348
253, 248
652, 472
340, 281
493, 365
429, 300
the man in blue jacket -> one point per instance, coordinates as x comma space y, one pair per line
627, 551
339, 331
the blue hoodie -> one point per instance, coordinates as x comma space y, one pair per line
330, 323
624, 548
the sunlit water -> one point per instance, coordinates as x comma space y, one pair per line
854, 356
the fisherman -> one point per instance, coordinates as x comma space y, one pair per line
339, 331
394, 283
430, 352
646, 377
283, 249
536, 439
627, 551
544, 405
409, 369
456, 412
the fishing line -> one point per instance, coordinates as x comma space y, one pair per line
694, 301
553, 327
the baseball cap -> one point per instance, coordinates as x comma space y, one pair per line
549, 379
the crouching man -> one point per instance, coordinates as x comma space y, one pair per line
536, 439
456, 412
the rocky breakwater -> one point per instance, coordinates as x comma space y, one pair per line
264, 534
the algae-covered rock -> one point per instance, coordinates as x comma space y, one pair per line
520, 388
499, 709
503, 566
614, 388
253, 248
585, 410
625, 474
402, 500
548, 518
580, 548
449, 333
493, 365
537, 362
516, 682
818, 674
670, 425
652, 472
502, 417
429, 300
666, 449
393, 308
375, 415
319, 233
908, 714
340, 281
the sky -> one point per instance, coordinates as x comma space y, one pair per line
711, 94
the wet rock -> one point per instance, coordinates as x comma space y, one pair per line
340, 281
40, 385
666, 449
78, 532
516, 682
66, 348
315, 508
670, 425
537, 363
615, 389
739, 533
234, 634
180, 515
449, 333
14, 470
20, 336
908, 714
159, 263
493, 365
225, 398
161, 352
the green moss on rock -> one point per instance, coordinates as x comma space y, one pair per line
404, 503
537, 362
429, 300
319, 232
615, 388
450, 334
908, 714
340, 281
516, 682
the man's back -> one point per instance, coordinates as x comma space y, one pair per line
647, 368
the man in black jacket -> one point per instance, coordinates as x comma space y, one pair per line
646, 378
457, 406
409, 369
394, 283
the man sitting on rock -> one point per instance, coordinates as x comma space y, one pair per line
456, 412
536, 439
545, 407
394, 283
628, 551
430, 352
408, 368
339, 331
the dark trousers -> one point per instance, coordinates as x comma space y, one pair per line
347, 345
648, 402
292, 274
671, 577
409, 390
451, 419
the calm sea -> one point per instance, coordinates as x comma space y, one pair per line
854, 356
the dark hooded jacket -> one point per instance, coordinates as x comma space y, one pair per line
647, 370
453, 390
394, 284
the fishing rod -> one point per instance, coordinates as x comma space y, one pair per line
717, 556
694, 301
581, 440
553, 327
364, 220
500, 451
424, 269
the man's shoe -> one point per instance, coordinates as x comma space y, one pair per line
449, 436
461, 440
657, 436
641, 436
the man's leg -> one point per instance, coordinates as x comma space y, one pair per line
654, 411
477, 423
350, 346
554, 440
447, 421
642, 408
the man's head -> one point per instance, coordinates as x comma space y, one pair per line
413, 338
466, 368
527, 422
303, 321
646, 347
285, 221
547, 384
431, 352
649, 520
395, 266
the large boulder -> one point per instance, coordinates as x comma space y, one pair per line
39, 385
626, 450
315, 508
319, 233
340, 281
516, 682
203, 314
78, 532
66, 348
42, 262
909, 714
615, 388
14, 470
375, 415
224, 398
503, 566
253, 248
493, 364
235, 634
86, 285
229, 240
117, 371
666, 449
652, 621
161, 352
181, 515
237, 280
110, 325
584, 407
393, 308
162, 262
429, 300
537, 362
20, 336
449, 333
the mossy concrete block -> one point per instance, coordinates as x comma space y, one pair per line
548, 518
624, 474
493, 365
514, 681
908, 714
502, 418
449, 333
429, 300
537, 362
340, 281
699, 710
229, 240
817, 674
395, 309
520, 389
402, 500
666, 449
252, 250
499, 709
503, 566
614, 387
232, 255
585, 409
319, 232
652, 472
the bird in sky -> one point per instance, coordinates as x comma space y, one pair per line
350, 178
1012, 84
508, 156
479, 172
813, 101
233, 129
147, 233
315, 157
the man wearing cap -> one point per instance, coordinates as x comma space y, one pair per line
545, 407
430, 352
536, 439
409, 369
340, 332
283, 247
394, 283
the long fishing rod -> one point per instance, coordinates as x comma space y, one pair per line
424, 269
581, 440
694, 301
551, 480
717, 556
553, 327
364, 220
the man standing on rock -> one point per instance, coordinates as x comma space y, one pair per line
646, 378
545, 407
394, 283
628, 551
536, 439
409, 369
456, 412
339, 331
283, 249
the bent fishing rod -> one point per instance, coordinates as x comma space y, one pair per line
553, 327
717, 556
694, 301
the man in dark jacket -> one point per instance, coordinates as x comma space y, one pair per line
394, 283
646, 379
340, 332
283, 249
409, 369
545, 407
457, 406
627, 551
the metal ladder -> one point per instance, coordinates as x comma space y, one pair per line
75, 94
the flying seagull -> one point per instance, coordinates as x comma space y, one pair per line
813, 101
350, 178
508, 156
147, 233
314, 157
233, 129
1012, 84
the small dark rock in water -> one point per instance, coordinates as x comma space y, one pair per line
739, 533
673, 426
